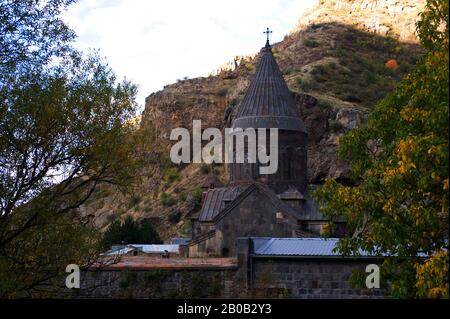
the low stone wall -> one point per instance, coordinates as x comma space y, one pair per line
308, 278
248, 276
157, 283
263, 278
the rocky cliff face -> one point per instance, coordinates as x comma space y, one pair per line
395, 18
335, 63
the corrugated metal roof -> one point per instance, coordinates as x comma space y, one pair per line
323, 247
268, 101
295, 246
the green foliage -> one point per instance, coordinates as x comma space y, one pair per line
339, 51
310, 43
197, 195
44, 251
400, 160
130, 232
323, 72
223, 91
134, 200
432, 276
202, 285
233, 102
289, 71
177, 189
171, 174
31, 34
358, 279
112, 217
369, 77
174, 217
199, 283
361, 75
303, 84
205, 169
64, 131
154, 279
128, 279
166, 200
335, 126
186, 228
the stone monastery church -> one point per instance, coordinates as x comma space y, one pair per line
253, 204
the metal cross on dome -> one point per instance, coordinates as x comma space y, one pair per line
267, 33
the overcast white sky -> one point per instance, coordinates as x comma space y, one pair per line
155, 42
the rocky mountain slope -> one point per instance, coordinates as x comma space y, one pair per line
340, 59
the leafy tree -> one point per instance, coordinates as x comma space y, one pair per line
65, 129
400, 157
31, 35
130, 232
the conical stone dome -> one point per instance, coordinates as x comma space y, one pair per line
268, 103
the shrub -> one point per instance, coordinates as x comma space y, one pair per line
304, 84
310, 43
130, 232
251, 67
223, 91
391, 64
320, 73
111, 218
174, 218
129, 278
335, 126
289, 70
186, 229
171, 174
177, 189
233, 102
318, 69
339, 51
369, 77
205, 168
166, 200
197, 195
134, 201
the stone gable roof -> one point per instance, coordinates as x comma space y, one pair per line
219, 199
271, 197
215, 201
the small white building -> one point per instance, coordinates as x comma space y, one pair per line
160, 250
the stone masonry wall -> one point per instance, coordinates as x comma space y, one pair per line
157, 283
263, 278
309, 278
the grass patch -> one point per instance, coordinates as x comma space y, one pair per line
310, 43
166, 200
134, 201
170, 174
